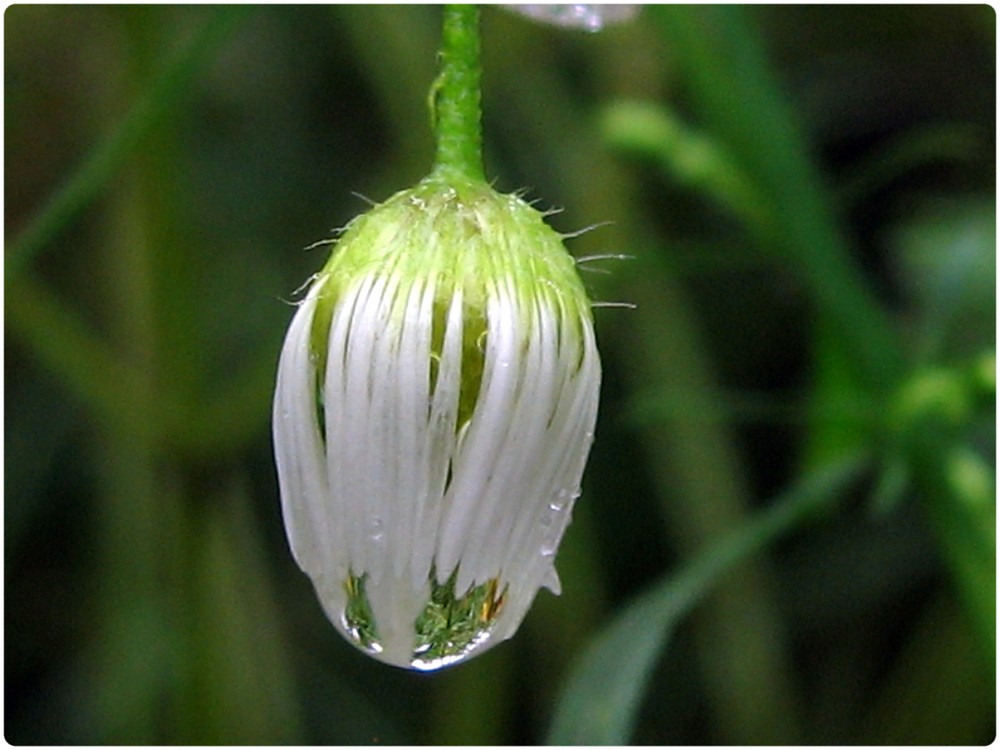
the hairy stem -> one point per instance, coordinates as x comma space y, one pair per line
455, 94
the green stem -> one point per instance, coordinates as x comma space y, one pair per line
455, 94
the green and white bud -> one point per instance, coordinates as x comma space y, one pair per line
435, 405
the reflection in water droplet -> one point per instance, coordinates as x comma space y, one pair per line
449, 628
358, 621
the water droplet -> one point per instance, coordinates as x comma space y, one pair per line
450, 628
563, 499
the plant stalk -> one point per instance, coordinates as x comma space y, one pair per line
455, 97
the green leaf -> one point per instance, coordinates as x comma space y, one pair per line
605, 689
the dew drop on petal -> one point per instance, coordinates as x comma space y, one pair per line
448, 629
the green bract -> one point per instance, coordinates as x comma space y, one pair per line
435, 406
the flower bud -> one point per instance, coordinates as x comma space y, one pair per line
435, 405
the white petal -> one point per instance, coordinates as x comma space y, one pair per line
442, 426
298, 445
473, 491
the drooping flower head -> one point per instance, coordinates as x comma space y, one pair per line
435, 405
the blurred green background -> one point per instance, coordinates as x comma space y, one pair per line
795, 459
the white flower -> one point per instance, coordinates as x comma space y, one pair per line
435, 405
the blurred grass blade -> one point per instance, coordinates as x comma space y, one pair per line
739, 105
92, 370
939, 690
107, 156
958, 488
937, 412
651, 131
605, 690
936, 143
240, 687
112, 387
